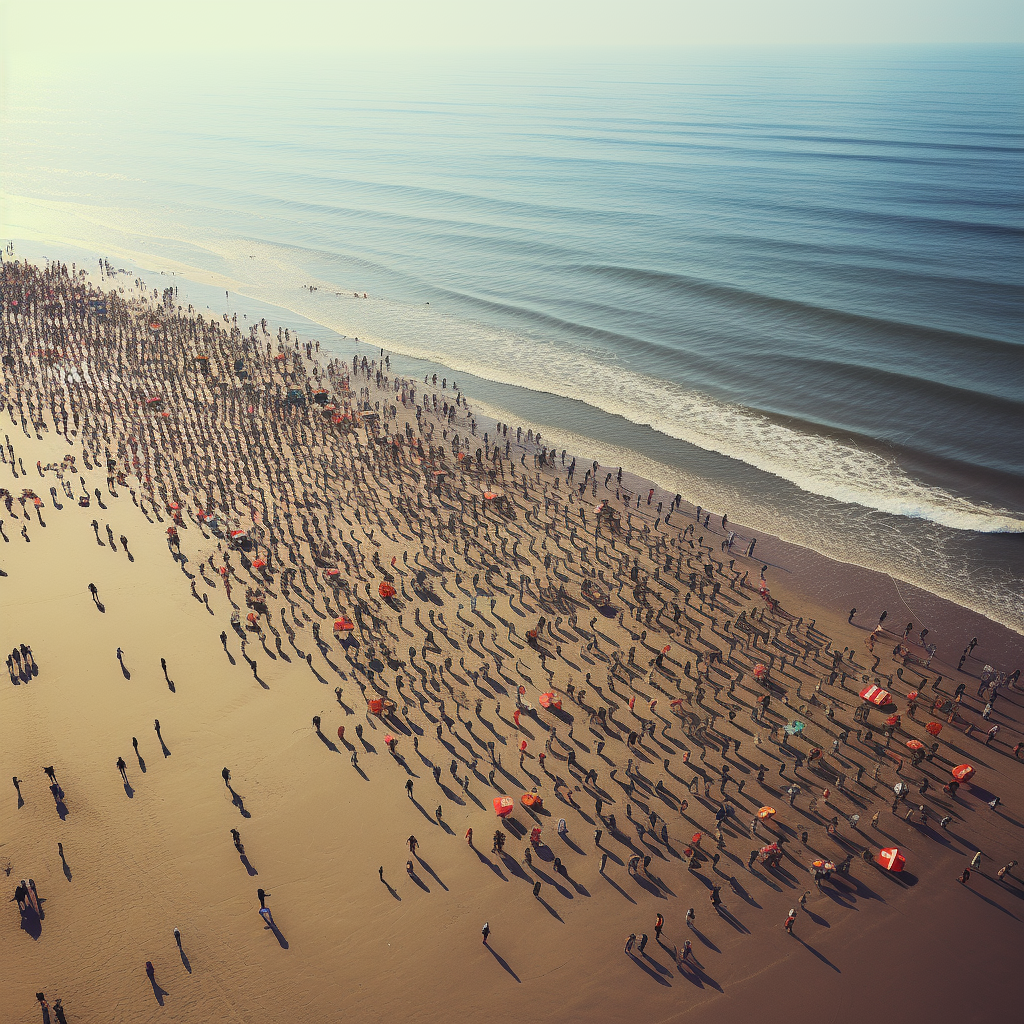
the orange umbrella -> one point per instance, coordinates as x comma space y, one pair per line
259, 564
766, 812
934, 728
376, 705
760, 671
913, 695
962, 772
252, 617
549, 700
915, 745
825, 865
343, 624
489, 495
386, 590
532, 800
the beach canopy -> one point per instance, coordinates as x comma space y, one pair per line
794, 727
876, 695
915, 745
236, 533
933, 728
962, 772
823, 865
504, 806
259, 564
376, 706
760, 672
386, 589
532, 800
766, 812
252, 617
549, 700
342, 623
891, 859
490, 495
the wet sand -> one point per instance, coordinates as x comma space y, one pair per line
155, 854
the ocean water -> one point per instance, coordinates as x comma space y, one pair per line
789, 285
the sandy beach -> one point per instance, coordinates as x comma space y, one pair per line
325, 583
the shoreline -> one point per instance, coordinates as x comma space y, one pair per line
799, 515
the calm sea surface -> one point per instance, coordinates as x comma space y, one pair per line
787, 284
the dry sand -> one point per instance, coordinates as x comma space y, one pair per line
145, 858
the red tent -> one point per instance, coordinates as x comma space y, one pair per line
343, 623
891, 859
962, 772
259, 564
549, 700
386, 590
876, 695
933, 728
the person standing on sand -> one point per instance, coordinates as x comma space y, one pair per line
485, 931
790, 921
122, 767
263, 894
965, 877
630, 939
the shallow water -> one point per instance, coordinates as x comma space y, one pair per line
785, 284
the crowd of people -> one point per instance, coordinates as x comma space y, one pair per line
577, 640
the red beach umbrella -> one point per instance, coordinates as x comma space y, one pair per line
343, 624
962, 772
386, 590
915, 745
934, 728
760, 671
891, 859
259, 564
504, 806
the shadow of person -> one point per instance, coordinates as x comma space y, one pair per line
66, 867
185, 961
501, 960
164, 749
124, 671
58, 799
248, 867
31, 923
142, 763
158, 992
128, 791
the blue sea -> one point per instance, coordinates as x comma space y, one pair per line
788, 284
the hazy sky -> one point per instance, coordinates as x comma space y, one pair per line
40, 31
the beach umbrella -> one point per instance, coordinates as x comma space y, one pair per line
259, 564
823, 865
891, 859
913, 695
532, 800
343, 624
794, 727
173, 505
893, 720
386, 590
666, 649
376, 706
962, 772
252, 617
766, 812
876, 695
504, 806
549, 700
760, 672
235, 534
933, 728
696, 838
489, 495
915, 745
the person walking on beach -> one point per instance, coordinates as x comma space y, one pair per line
659, 923
262, 894
630, 939
485, 931
790, 921
965, 876
122, 767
